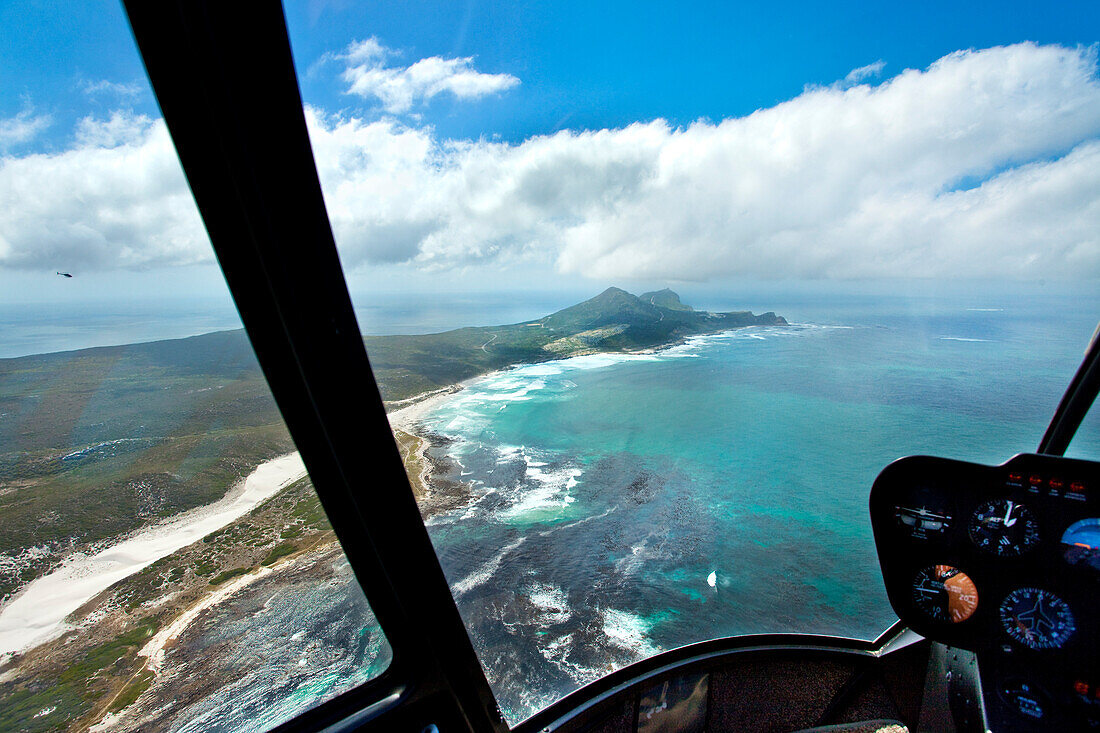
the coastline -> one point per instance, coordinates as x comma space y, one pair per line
36, 614
80, 578
435, 492
436, 482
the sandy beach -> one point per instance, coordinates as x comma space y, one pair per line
37, 613
408, 415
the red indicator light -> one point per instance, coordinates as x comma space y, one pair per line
1015, 477
1035, 479
1081, 688
1078, 487
1056, 483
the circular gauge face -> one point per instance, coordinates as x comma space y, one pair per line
945, 594
1081, 543
1037, 618
1004, 527
1083, 533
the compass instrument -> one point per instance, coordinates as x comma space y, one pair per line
1037, 618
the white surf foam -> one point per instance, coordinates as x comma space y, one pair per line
544, 488
487, 570
628, 632
551, 601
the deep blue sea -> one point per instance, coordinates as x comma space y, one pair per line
627, 504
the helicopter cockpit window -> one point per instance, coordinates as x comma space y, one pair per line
653, 294
165, 563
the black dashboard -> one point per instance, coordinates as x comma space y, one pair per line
1003, 561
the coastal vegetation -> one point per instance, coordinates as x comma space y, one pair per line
96, 668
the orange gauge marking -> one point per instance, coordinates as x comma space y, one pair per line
962, 594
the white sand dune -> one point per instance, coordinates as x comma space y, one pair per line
37, 613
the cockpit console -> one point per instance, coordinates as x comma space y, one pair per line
1003, 561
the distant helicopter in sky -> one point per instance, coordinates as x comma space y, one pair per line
64, 274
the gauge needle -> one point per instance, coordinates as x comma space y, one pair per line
1009, 522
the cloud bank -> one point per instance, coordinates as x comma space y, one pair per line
985, 164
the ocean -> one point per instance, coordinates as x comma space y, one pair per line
628, 504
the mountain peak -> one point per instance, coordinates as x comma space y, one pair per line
665, 298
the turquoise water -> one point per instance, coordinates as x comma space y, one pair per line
627, 504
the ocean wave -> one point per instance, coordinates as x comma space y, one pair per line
986, 310
629, 564
629, 632
525, 382
543, 487
821, 327
487, 570
551, 601
960, 338
558, 651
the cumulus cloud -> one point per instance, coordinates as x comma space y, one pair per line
857, 182
116, 200
985, 164
22, 128
399, 88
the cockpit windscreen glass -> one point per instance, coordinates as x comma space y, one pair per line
165, 562
653, 293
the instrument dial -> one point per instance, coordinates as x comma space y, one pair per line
1004, 527
923, 522
945, 594
1037, 618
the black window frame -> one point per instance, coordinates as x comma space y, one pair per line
224, 78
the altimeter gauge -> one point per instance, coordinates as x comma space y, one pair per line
1037, 618
1003, 527
945, 594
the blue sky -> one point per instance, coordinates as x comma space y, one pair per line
564, 143
582, 64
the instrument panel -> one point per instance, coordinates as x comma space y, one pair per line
1003, 561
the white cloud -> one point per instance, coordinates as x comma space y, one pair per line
836, 183
855, 76
95, 88
399, 88
986, 164
117, 200
22, 128
118, 129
